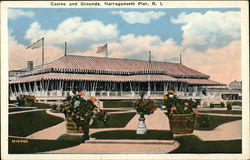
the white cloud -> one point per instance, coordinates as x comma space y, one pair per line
139, 17
222, 64
224, 61
19, 55
212, 29
15, 13
138, 47
78, 33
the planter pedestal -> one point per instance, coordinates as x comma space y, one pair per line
181, 123
141, 127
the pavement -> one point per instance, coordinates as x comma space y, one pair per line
156, 121
226, 131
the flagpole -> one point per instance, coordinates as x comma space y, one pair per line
42, 51
107, 51
65, 49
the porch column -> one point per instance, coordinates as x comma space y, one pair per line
121, 87
131, 89
149, 89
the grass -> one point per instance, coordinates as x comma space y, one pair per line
222, 112
237, 103
68, 137
192, 144
215, 121
19, 109
42, 105
116, 121
118, 104
36, 146
24, 124
131, 134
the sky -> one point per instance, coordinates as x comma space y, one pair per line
209, 39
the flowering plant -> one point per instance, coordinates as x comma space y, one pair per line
26, 100
174, 105
144, 106
54, 106
83, 110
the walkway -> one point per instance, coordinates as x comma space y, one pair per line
53, 132
156, 121
226, 131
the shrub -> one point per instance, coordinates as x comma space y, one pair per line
229, 107
26, 100
203, 121
174, 105
54, 106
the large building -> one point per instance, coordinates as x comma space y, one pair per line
110, 77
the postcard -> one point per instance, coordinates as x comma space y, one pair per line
124, 80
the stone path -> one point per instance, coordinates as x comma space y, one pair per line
53, 132
157, 121
226, 131
118, 148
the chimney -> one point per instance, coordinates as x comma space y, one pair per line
30, 65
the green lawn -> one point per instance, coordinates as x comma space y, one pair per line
215, 121
192, 144
117, 104
19, 109
68, 137
222, 112
42, 105
131, 134
36, 146
116, 121
24, 124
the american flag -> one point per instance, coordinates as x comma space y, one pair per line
37, 44
101, 49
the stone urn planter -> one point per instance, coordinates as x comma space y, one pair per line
143, 107
181, 123
141, 127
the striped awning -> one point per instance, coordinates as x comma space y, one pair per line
112, 78
200, 82
94, 77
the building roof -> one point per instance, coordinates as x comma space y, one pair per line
97, 65
235, 85
111, 78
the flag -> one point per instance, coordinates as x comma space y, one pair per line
37, 44
102, 48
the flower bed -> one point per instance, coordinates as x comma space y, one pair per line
26, 100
